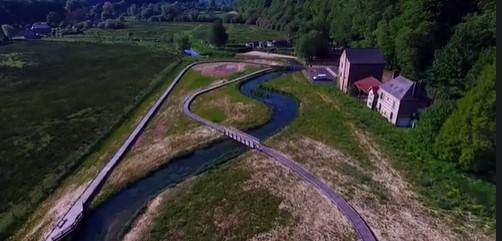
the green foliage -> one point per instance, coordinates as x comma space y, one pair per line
486, 58
440, 183
53, 18
468, 136
430, 123
217, 34
452, 63
311, 44
72, 5
182, 41
52, 121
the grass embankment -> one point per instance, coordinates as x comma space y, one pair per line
328, 116
216, 206
226, 106
56, 108
327, 124
174, 133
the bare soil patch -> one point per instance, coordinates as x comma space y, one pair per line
315, 218
56, 208
378, 192
220, 70
266, 55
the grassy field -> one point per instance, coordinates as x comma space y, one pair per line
216, 207
441, 185
159, 35
57, 101
238, 33
177, 135
325, 138
223, 105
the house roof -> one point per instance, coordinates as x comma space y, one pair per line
400, 87
40, 25
364, 55
367, 83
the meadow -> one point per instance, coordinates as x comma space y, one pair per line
57, 102
238, 33
160, 35
442, 186
332, 120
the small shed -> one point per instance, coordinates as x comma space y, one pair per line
41, 28
365, 85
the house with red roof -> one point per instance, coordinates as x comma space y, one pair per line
366, 90
358, 63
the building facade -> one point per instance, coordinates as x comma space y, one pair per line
359, 63
399, 100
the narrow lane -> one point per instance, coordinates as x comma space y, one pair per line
361, 227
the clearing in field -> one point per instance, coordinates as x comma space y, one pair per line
58, 100
220, 70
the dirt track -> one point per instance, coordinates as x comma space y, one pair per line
222, 69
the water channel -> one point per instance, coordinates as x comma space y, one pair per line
106, 221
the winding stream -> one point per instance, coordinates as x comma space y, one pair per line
107, 220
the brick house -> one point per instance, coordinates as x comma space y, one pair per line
399, 101
359, 63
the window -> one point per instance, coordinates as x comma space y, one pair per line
379, 106
393, 104
381, 96
391, 115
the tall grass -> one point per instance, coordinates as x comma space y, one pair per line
441, 184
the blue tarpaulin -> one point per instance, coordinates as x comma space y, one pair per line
191, 52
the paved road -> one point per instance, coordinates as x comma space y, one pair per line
362, 228
313, 71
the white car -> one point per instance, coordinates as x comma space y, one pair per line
320, 77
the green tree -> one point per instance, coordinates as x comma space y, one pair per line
132, 10
217, 34
72, 5
8, 31
452, 63
310, 44
468, 135
430, 123
53, 18
182, 41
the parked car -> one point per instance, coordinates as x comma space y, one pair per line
321, 77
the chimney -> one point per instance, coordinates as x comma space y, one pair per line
395, 73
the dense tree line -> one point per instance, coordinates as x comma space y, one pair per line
448, 44
76, 15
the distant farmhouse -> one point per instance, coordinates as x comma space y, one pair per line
400, 100
270, 44
358, 63
279, 43
41, 28
37, 31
